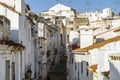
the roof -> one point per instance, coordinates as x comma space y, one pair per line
12, 9
106, 73
60, 7
9, 7
27, 6
31, 21
10, 43
97, 45
114, 29
117, 30
75, 46
5, 18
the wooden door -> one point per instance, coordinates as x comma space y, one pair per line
8, 70
13, 71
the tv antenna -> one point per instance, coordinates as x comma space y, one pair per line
70, 1
87, 4
58, 1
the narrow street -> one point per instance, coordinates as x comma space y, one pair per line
59, 39
58, 72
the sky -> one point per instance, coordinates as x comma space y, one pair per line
38, 6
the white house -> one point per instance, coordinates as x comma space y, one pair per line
107, 13
63, 14
96, 61
92, 61
9, 52
20, 33
60, 10
99, 41
8, 13
96, 15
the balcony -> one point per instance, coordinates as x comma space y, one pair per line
7, 45
4, 28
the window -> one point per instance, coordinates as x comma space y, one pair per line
13, 70
29, 34
75, 66
8, 70
78, 75
32, 32
72, 60
71, 28
78, 71
29, 58
81, 67
87, 69
61, 38
71, 15
70, 22
90, 15
67, 38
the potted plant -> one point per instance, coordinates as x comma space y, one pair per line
28, 74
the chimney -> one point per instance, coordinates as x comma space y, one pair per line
86, 36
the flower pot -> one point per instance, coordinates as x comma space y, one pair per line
28, 74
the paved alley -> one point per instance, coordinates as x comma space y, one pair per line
59, 72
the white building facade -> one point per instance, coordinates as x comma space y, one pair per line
19, 63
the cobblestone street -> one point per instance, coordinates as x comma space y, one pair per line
58, 72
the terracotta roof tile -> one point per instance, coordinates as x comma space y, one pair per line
93, 67
105, 73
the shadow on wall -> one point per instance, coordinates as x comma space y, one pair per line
114, 72
14, 35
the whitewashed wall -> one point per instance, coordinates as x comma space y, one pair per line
20, 32
107, 13
80, 66
74, 37
3, 59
